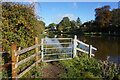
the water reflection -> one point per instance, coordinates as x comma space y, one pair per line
106, 45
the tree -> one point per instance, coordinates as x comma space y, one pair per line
103, 16
65, 22
51, 25
116, 17
60, 27
79, 23
73, 25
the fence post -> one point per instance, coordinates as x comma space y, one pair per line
42, 49
36, 50
14, 60
90, 50
75, 46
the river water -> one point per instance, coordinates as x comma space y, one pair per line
107, 46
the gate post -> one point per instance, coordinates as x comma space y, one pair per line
75, 46
14, 60
90, 50
36, 50
42, 49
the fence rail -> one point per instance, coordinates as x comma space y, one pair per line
81, 50
15, 57
26, 49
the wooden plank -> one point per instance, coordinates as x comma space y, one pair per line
57, 47
56, 59
36, 50
26, 49
26, 59
59, 38
42, 48
90, 50
75, 46
58, 43
85, 44
30, 67
94, 48
57, 53
84, 51
14, 60
82, 43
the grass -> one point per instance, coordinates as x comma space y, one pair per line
85, 67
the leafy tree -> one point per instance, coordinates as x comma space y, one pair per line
103, 16
73, 25
60, 27
79, 23
116, 17
51, 25
65, 23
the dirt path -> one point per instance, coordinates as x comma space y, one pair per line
51, 71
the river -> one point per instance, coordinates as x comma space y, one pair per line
107, 46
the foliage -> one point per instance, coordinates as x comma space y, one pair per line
33, 73
20, 26
103, 16
83, 67
73, 25
51, 25
65, 23
79, 23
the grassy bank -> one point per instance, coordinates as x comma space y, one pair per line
83, 67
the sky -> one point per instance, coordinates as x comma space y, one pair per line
53, 12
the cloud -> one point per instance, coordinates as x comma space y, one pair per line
59, 17
74, 5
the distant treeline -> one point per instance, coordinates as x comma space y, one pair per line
106, 21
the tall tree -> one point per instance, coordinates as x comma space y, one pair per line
116, 17
60, 27
103, 16
51, 25
65, 23
79, 23
73, 25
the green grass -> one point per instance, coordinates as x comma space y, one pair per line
84, 67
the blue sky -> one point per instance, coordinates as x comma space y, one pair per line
53, 12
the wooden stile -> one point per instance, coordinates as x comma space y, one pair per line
14, 60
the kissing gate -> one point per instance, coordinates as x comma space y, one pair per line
62, 48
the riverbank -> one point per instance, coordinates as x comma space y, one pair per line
84, 33
85, 67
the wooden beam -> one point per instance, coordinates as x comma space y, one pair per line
85, 44
14, 60
36, 50
26, 49
26, 59
75, 46
26, 70
42, 49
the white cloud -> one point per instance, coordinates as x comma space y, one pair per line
59, 17
75, 5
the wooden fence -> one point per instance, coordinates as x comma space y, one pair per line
81, 50
15, 57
